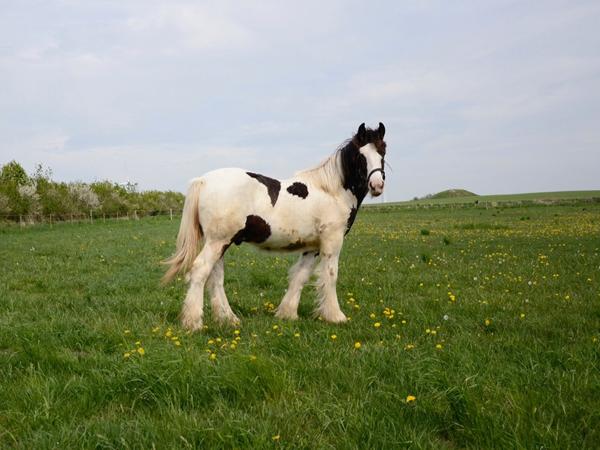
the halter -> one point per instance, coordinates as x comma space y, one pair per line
376, 170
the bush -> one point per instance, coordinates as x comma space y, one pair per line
21, 194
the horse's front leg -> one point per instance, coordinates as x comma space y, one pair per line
299, 275
328, 307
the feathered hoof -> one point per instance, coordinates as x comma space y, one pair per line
286, 315
229, 319
190, 319
332, 317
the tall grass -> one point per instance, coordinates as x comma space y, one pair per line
495, 334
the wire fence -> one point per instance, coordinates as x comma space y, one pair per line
24, 220
485, 204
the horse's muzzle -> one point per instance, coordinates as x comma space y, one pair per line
376, 189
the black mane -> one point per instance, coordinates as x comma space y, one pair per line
354, 170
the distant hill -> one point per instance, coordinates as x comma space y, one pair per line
453, 193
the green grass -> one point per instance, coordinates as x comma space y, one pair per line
560, 196
491, 320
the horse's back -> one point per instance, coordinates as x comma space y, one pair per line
226, 199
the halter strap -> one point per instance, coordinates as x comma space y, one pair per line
376, 170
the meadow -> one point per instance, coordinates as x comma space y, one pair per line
470, 328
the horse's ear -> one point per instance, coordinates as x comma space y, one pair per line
361, 134
381, 130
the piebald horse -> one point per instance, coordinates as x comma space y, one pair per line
309, 213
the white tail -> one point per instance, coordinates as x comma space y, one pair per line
190, 233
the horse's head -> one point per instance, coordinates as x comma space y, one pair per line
371, 145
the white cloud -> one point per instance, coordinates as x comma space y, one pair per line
160, 92
194, 26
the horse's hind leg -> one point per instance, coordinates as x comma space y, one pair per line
299, 275
192, 312
220, 306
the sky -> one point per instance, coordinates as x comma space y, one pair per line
494, 97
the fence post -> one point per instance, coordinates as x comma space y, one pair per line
50, 219
91, 217
104, 217
171, 213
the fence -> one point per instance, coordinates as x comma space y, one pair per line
485, 204
80, 217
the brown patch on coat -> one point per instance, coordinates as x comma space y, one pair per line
351, 218
273, 185
298, 189
256, 230
298, 245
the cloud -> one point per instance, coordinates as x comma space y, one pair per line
160, 92
190, 26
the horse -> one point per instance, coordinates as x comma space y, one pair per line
310, 213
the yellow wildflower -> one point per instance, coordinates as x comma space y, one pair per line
410, 398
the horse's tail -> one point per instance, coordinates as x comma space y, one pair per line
190, 233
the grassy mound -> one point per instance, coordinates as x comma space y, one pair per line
451, 193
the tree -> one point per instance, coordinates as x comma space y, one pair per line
13, 173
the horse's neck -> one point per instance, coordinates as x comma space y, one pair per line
331, 177
354, 180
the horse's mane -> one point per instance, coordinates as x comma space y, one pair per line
328, 174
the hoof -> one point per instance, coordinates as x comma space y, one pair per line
335, 317
231, 319
191, 318
286, 315
191, 324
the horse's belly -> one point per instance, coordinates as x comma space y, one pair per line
292, 237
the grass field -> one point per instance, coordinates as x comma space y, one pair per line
559, 196
471, 328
